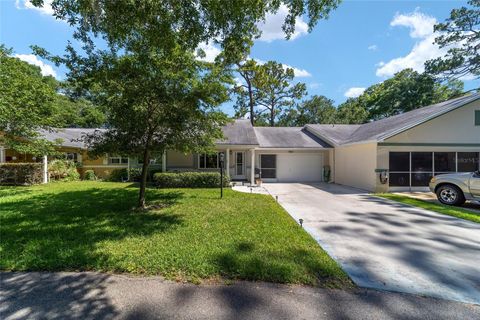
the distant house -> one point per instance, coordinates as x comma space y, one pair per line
397, 153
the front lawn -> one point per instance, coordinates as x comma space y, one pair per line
457, 212
194, 236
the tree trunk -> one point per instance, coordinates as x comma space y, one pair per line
272, 117
250, 95
143, 180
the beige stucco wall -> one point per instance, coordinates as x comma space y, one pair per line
456, 126
177, 159
355, 165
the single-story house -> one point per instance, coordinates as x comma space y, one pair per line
396, 153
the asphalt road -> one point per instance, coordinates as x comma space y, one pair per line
101, 296
387, 245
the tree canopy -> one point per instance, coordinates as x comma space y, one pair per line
317, 109
146, 74
26, 105
268, 91
460, 33
406, 90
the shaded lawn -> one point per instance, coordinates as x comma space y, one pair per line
457, 212
196, 235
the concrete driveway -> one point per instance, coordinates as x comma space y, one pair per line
386, 245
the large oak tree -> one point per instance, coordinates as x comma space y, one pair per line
145, 73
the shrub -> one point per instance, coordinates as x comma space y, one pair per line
64, 170
118, 175
135, 174
89, 175
189, 180
21, 173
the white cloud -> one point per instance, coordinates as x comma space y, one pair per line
47, 69
27, 4
272, 27
299, 73
373, 47
354, 92
315, 85
211, 51
421, 28
420, 24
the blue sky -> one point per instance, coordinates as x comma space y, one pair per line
363, 42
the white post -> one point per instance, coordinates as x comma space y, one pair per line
128, 168
252, 165
164, 161
2, 154
45, 169
227, 161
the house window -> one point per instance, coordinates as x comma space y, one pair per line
444, 162
117, 160
399, 164
154, 159
268, 166
208, 161
422, 168
71, 156
477, 117
415, 169
467, 161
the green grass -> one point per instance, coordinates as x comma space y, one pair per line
195, 236
457, 212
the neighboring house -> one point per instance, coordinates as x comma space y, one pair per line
397, 153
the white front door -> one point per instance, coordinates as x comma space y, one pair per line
239, 165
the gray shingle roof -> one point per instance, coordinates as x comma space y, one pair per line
335, 133
239, 132
70, 137
288, 137
385, 128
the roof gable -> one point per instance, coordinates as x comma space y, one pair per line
385, 128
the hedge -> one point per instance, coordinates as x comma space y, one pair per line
21, 173
119, 175
189, 180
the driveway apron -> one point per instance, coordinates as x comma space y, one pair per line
386, 245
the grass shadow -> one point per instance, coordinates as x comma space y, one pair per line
244, 261
60, 231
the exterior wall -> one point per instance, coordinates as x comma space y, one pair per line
355, 165
454, 131
457, 126
178, 160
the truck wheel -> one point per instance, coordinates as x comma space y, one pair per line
451, 195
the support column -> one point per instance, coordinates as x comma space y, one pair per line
252, 165
45, 169
164, 161
227, 161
